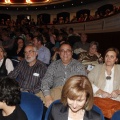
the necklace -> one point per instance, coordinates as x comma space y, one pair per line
108, 77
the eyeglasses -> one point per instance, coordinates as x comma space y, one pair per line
29, 52
66, 51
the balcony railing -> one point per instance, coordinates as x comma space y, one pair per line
108, 24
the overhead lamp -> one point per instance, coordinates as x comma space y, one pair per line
7, 1
48, 1
28, 1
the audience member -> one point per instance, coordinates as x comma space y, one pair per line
60, 39
43, 52
81, 18
71, 32
10, 99
86, 17
6, 65
18, 49
74, 19
7, 41
106, 78
55, 55
29, 38
67, 20
52, 36
30, 71
58, 72
32, 22
83, 44
61, 20
55, 21
76, 101
91, 57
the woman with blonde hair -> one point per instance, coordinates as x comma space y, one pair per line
76, 101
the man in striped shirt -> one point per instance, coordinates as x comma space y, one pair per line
58, 72
30, 71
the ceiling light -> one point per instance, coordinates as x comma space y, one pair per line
28, 1
7, 1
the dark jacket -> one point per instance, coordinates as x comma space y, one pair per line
3, 70
60, 112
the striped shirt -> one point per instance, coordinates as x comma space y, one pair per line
29, 77
57, 74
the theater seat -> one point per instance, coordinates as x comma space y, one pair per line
116, 115
15, 62
32, 106
98, 110
48, 110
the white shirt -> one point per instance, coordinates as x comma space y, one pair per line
109, 83
9, 65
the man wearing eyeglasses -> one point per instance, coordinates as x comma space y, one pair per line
57, 74
30, 71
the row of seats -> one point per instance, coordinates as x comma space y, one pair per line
33, 107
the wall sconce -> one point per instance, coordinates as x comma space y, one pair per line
7, 1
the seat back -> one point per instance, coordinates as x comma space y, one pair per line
32, 106
48, 110
116, 115
15, 62
98, 110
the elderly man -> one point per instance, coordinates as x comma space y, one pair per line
58, 72
30, 71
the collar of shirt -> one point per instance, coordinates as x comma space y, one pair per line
67, 64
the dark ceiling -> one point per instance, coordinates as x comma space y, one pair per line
19, 5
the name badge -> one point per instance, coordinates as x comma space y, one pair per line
90, 67
36, 74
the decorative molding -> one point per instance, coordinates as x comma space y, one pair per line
33, 3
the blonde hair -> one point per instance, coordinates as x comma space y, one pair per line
76, 86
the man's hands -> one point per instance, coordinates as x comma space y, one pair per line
48, 100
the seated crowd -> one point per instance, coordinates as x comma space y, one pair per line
83, 16
47, 58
